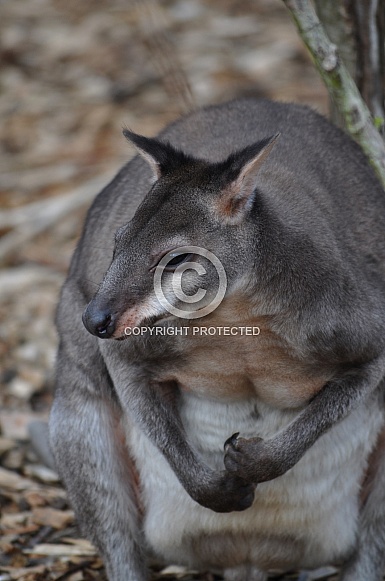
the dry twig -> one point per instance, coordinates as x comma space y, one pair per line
32, 219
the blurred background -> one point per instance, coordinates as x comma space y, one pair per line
72, 74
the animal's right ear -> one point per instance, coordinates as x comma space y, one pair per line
242, 169
161, 156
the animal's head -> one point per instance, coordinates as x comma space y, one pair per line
196, 223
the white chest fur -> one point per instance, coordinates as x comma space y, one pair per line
306, 518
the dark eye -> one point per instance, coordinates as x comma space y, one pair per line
176, 260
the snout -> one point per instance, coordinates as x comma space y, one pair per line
99, 321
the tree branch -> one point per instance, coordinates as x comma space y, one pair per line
339, 83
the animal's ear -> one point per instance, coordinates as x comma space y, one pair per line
242, 169
161, 156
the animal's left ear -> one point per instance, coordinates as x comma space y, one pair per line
161, 156
242, 168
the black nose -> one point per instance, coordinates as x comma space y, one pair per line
98, 321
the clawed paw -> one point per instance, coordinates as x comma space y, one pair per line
240, 456
255, 460
226, 493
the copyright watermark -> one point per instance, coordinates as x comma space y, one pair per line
223, 331
202, 301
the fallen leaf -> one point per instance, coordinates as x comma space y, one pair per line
57, 519
14, 481
35, 499
42, 473
61, 550
25, 573
6, 444
12, 520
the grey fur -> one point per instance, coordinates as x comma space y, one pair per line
311, 248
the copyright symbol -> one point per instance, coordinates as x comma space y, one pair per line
176, 283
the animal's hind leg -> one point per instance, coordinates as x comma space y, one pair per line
92, 459
368, 560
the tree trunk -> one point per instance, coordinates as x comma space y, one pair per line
357, 27
359, 119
